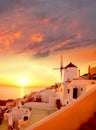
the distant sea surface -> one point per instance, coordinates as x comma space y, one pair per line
7, 92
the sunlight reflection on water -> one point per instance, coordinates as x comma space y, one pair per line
22, 92
7, 92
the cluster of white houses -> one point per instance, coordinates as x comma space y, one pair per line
67, 91
71, 88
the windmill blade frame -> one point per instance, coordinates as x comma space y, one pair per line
56, 68
61, 67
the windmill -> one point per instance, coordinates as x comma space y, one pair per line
61, 67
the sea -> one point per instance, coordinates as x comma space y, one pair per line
11, 92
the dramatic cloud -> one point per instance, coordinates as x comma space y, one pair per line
39, 27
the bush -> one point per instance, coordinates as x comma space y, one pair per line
58, 103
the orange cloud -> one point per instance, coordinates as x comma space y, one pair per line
37, 37
7, 44
17, 35
7, 40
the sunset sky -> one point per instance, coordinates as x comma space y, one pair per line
34, 33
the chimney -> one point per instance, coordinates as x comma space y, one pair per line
89, 74
78, 73
89, 69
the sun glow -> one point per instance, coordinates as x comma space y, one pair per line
23, 82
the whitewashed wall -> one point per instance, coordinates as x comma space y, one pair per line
70, 73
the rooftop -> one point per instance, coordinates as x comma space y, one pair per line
70, 65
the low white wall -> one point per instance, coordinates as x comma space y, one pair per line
40, 105
70, 117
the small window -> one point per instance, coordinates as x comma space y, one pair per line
81, 89
68, 90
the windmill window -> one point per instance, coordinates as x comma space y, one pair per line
68, 90
81, 89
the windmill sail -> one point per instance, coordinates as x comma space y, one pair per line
61, 67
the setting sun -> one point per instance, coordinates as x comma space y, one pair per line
23, 82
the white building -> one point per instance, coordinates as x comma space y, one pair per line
70, 72
46, 94
72, 90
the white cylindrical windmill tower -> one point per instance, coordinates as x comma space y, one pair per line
70, 72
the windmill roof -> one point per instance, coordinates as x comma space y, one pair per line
70, 65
